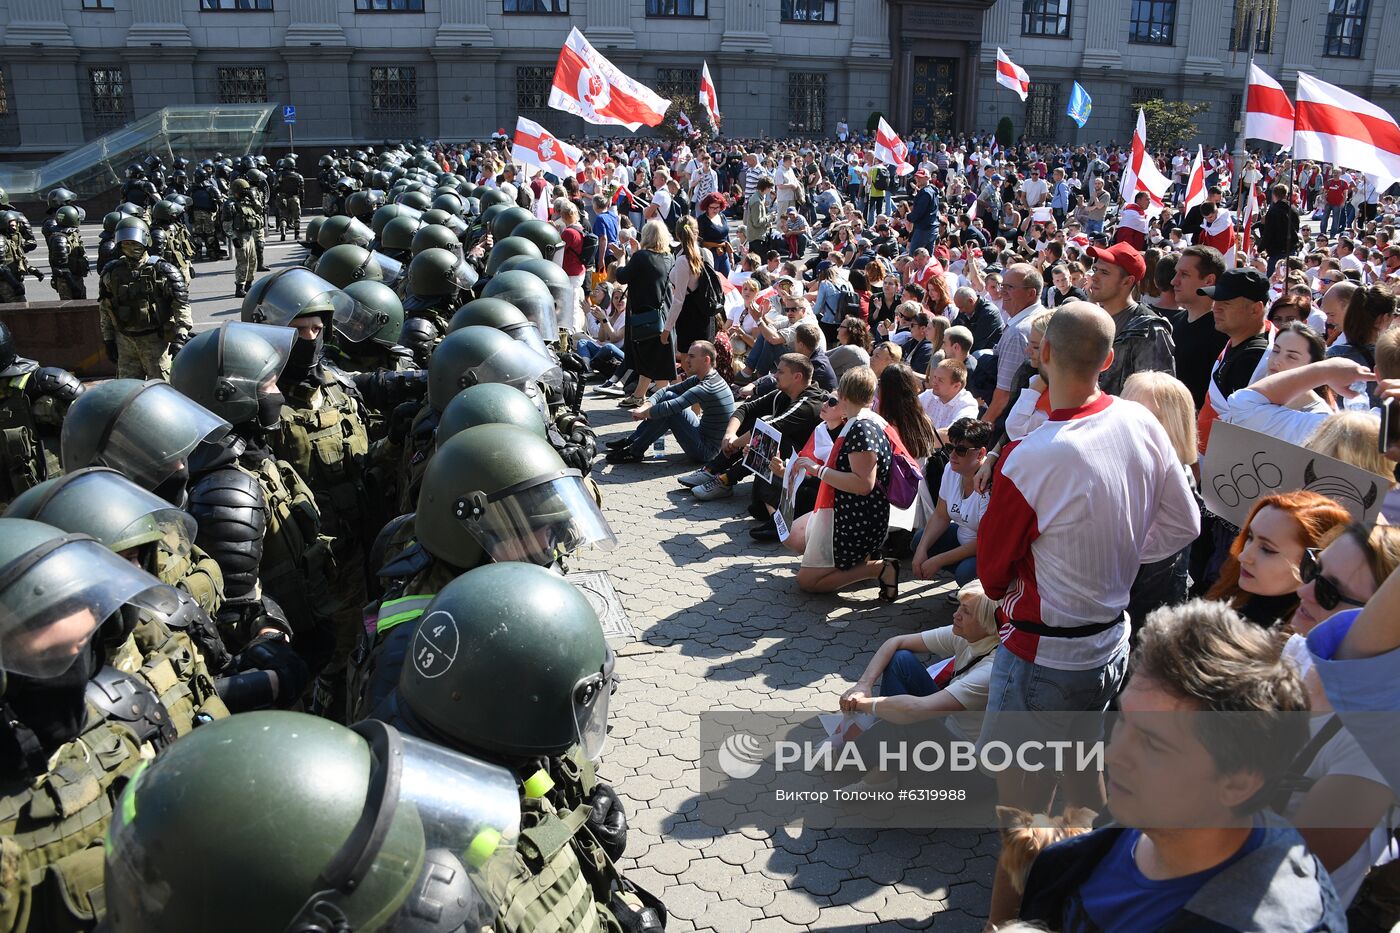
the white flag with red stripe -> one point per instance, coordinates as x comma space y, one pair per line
1012, 75
1196, 182
535, 145
709, 95
1251, 207
588, 85
1268, 112
1333, 125
1141, 172
890, 149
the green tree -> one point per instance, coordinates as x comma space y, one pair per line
872, 123
1006, 133
1170, 123
699, 119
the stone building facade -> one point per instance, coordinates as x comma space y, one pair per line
360, 70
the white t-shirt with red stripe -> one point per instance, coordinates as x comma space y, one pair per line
1078, 505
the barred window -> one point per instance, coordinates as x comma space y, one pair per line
1141, 95
1263, 29
393, 89
1045, 18
532, 84
678, 82
4, 95
676, 8
1152, 22
534, 6
1346, 28
244, 5
807, 102
388, 6
239, 85
1042, 110
809, 11
1232, 117
108, 104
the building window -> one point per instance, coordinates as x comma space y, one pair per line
807, 102
209, 6
388, 6
108, 87
98, 4
1045, 18
675, 7
4, 95
1232, 116
1152, 22
1346, 28
1263, 29
532, 84
535, 6
678, 82
809, 11
1141, 95
1042, 110
393, 90
240, 85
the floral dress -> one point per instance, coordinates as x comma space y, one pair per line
847, 528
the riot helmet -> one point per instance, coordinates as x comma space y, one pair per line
417, 200
352, 830
387, 213
60, 197
491, 196
232, 370
438, 272
398, 233
490, 403
504, 223
475, 355
287, 294
347, 263
383, 305
511, 247
448, 201
68, 217
342, 229
166, 212
542, 234
510, 659
532, 296
434, 236
502, 315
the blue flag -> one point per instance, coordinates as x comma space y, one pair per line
1080, 105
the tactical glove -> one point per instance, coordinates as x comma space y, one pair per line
608, 820
271, 651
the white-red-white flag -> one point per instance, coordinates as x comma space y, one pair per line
535, 145
890, 149
588, 85
1251, 208
1012, 75
1195, 182
683, 123
1141, 172
1333, 125
709, 95
1268, 112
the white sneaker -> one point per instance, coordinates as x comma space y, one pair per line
891, 782
696, 478
714, 489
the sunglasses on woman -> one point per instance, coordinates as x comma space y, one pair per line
959, 449
1325, 589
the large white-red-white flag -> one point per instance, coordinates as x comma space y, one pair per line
890, 149
709, 95
1141, 172
535, 145
1195, 182
1268, 112
1333, 125
1012, 75
588, 85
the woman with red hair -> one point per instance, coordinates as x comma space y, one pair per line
1261, 577
714, 230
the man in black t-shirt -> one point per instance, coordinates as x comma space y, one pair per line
1239, 299
1197, 341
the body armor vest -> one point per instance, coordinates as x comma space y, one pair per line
24, 459
323, 437
133, 295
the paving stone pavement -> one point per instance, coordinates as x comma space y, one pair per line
721, 625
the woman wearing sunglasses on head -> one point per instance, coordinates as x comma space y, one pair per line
1339, 801
1260, 578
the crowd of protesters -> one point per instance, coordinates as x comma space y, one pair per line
994, 370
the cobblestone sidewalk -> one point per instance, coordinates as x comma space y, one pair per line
722, 625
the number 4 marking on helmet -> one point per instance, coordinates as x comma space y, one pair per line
435, 644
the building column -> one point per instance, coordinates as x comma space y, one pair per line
1385, 80
45, 94
1302, 25
1105, 33
744, 28
318, 83
1208, 22
314, 25
158, 24
463, 25
872, 33
609, 24
35, 24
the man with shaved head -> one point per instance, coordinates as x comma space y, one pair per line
1078, 505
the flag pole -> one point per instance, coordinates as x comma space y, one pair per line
1241, 153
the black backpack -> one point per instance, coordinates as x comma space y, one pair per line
883, 181
588, 250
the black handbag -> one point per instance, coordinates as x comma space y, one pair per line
647, 325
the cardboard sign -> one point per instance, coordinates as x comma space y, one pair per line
598, 588
1242, 466
764, 443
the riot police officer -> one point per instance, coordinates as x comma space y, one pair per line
95, 689
68, 261
262, 195
547, 727
207, 200
291, 188
143, 306
328, 171
242, 216
26, 233
34, 400
138, 189
55, 199
171, 238
14, 263
436, 282
338, 831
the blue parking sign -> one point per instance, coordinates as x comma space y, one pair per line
289, 114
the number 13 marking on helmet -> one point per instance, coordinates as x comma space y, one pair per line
435, 645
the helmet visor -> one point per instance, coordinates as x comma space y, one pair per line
154, 519
591, 699
246, 384
53, 598
389, 268
464, 275
153, 436
529, 335
539, 521
297, 292
360, 321
357, 232
513, 365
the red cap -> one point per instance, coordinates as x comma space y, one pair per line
940, 253
1123, 255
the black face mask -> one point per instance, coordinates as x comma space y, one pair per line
305, 355
175, 487
54, 707
270, 410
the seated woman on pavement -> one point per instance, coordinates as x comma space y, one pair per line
791, 409
803, 494
949, 540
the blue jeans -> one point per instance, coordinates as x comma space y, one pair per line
906, 675
685, 425
1162, 583
921, 237
763, 356
1333, 219
1041, 698
592, 351
878, 204
965, 570
1093, 227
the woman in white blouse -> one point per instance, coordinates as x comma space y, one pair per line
949, 540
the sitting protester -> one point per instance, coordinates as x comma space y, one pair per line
949, 541
669, 411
